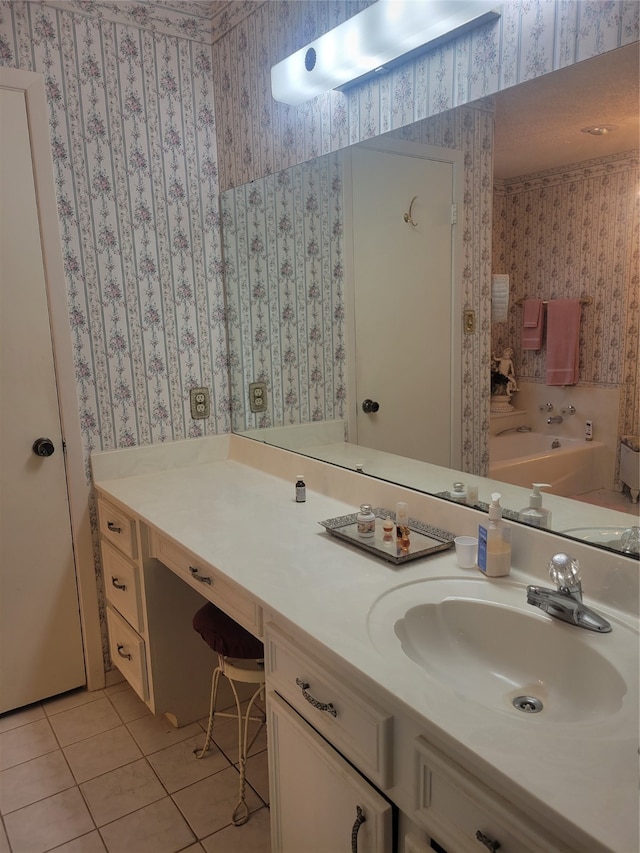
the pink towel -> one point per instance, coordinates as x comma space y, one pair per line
563, 340
532, 323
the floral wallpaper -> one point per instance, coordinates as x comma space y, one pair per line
283, 250
135, 159
574, 232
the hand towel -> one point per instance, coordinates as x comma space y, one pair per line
563, 340
532, 323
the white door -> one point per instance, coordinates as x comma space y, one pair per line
403, 303
319, 803
41, 652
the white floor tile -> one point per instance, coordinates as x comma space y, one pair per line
91, 843
158, 828
100, 754
34, 780
257, 774
122, 791
225, 734
128, 704
72, 699
25, 743
252, 837
13, 719
48, 823
154, 733
178, 767
208, 804
85, 721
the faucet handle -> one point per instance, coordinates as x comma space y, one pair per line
565, 573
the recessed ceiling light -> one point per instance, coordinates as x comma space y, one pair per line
600, 129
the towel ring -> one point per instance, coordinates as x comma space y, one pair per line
408, 217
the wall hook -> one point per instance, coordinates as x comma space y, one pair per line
408, 217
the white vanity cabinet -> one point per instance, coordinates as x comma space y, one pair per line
331, 742
465, 816
149, 619
319, 801
122, 573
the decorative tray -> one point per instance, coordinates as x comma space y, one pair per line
424, 539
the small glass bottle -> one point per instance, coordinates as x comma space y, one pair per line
402, 517
388, 527
366, 522
301, 490
459, 493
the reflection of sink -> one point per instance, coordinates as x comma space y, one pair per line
607, 537
484, 641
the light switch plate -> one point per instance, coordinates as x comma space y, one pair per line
200, 403
258, 396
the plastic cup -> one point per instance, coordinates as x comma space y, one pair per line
466, 548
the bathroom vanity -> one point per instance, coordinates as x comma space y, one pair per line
375, 733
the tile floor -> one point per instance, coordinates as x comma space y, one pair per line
610, 499
95, 772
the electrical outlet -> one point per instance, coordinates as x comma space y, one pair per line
200, 404
258, 396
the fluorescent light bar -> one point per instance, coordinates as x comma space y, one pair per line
371, 40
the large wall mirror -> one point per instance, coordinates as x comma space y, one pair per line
328, 274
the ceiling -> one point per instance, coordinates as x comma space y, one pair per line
538, 124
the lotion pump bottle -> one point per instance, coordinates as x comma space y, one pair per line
535, 513
494, 542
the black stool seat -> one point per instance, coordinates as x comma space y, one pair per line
224, 635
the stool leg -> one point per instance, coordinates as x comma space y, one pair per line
241, 811
215, 678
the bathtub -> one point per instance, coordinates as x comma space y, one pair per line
523, 458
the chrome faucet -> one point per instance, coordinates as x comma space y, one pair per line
555, 419
514, 429
565, 602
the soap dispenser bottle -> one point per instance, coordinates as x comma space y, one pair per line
535, 513
494, 542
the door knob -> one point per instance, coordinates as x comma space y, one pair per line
43, 447
370, 406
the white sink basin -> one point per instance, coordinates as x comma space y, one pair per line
609, 537
486, 643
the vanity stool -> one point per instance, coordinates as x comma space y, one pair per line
240, 660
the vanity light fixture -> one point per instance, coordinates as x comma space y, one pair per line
382, 35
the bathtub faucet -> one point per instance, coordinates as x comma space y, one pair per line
555, 419
514, 429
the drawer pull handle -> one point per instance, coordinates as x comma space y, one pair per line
114, 582
484, 839
321, 706
201, 578
114, 527
122, 654
360, 819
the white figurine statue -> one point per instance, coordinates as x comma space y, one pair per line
504, 365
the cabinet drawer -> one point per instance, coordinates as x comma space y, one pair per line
208, 582
358, 727
463, 815
122, 585
128, 652
118, 528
